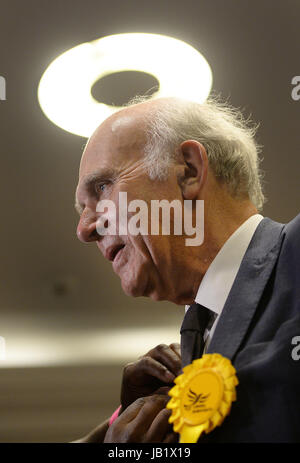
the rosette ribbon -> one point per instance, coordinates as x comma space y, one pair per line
202, 396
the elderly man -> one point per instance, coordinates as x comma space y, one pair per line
241, 286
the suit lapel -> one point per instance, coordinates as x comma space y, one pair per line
247, 289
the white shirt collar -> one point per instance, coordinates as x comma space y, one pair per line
220, 275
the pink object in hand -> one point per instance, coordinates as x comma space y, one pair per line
114, 416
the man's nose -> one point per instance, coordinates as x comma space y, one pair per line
86, 229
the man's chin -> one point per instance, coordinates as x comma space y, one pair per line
143, 290
133, 289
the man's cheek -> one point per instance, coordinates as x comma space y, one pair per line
134, 279
137, 246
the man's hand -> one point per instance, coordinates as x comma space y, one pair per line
95, 436
154, 372
144, 391
145, 420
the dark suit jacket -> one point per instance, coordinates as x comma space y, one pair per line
260, 318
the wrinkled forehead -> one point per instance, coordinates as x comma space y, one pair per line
115, 143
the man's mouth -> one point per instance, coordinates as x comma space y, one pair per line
112, 252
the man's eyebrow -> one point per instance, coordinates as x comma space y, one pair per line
90, 180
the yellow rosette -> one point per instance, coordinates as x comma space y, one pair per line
202, 396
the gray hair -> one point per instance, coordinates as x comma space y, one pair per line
224, 132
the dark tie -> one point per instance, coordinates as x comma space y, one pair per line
195, 321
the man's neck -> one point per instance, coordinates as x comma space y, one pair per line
217, 230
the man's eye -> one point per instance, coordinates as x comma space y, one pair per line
101, 187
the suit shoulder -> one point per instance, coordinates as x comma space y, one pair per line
291, 245
292, 230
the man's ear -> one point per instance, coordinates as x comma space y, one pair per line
194, 177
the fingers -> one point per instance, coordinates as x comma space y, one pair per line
120, 430
131, 411
162, 390
160, 427
145, 420
169, 356
171, 438
176, 348
151, 367
163, 362
159, 367
147, 414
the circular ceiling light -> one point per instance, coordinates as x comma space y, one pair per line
64, 91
